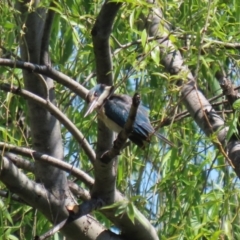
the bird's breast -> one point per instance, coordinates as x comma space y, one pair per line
108, 122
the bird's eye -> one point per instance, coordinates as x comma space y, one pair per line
95, 94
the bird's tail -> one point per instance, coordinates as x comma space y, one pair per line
164, 139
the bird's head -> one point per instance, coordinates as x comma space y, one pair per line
97, 96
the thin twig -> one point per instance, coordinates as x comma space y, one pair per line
124, 134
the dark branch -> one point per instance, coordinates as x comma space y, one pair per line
100, 35
44, 57
50, 160
55, 112
227, 87
75, 212
38, 197
124, 134
6, 194
195, 102
79, 192
48, 72
19, 161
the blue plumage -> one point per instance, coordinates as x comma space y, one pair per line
113, 110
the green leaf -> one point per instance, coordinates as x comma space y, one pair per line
155, 54
9, 25
131, 212
216, 235
144, 38
131, 19
236, 105
233, 127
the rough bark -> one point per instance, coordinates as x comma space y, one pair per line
196, 103
105, 174
45, 129
36, 195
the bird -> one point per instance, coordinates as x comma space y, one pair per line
113, 109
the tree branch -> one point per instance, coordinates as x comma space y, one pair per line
123, 135
106, 173
227, 87
38, 197
48, 159
195, 102
45, 129
55, 112
79, 192
13, 196
76, 212
48, 72
17, 160
100, 35
44, 57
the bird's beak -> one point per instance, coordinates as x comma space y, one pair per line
99, 101
91, 106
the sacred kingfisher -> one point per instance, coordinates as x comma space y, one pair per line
113, 110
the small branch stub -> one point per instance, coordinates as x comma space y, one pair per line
124, 134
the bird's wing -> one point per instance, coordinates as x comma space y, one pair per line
142, 125
117, 109
145, 128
